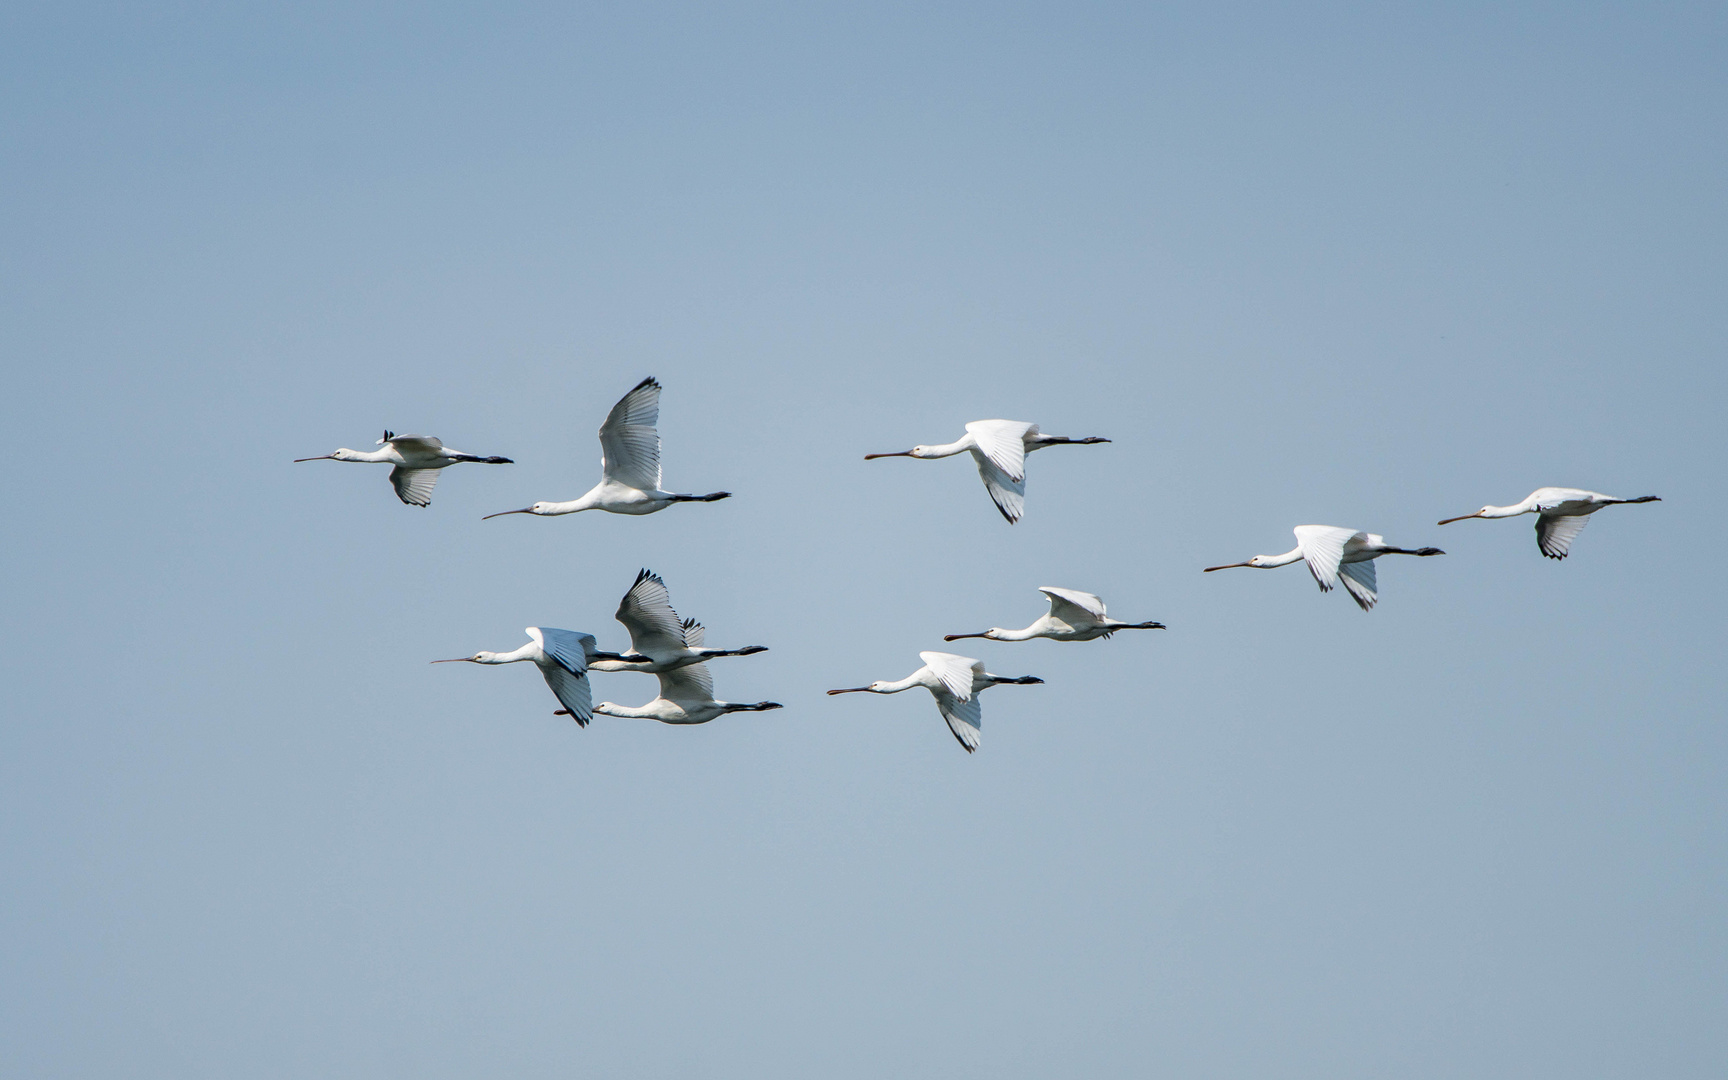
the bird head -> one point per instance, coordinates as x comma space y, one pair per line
344, 454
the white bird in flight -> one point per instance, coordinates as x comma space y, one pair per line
562, 657
629, 463
686, 693
955, 682
417, 459
1333, 555
1561, 514
658, 640
1000, 448
1073, 616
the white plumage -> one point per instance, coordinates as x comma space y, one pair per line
1336, 556
1561, 514
1073, 616
955, 682
629, 463
562, 657
999, 447
418, 459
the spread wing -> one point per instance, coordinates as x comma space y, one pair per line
1358, 580
1077, 609
1323, 549
567, 648
572, 692
629, 443
1554, 535
965, 718
1004, 443
646, 611
953, 672
414, 486
413, 444
693, 682
1008, 493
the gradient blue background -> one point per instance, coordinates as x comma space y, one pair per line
1354, 264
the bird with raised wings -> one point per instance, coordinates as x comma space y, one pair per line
1000, 448
417, 459
658, 638
1561, 514
562, 656
1336, 555
1073, 616
686, 693
629, 463
955, 682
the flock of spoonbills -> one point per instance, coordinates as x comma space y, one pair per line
673, 650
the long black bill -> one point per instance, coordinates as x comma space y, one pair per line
897, 453
501, 513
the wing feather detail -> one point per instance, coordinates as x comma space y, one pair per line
571, 690
566, 648
1008, 493
1323, 550
646, 611
1358, 580
953, 672
630, 439
1554, 534
965, 719
414, 486
1073, 607
1004, 443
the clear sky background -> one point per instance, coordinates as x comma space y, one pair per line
1365, 265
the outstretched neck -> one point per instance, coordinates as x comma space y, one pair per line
895, 687
1266, 562
1524, 507
574, 506
946, 449
529, 651
606, 708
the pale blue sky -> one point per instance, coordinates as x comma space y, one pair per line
1348, 264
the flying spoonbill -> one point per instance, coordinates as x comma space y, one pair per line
1561, 514
1000, 448
629, 463
1074, 616
562, 657
1333, 555
658, 640
417, 459
955, 682
686, 693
